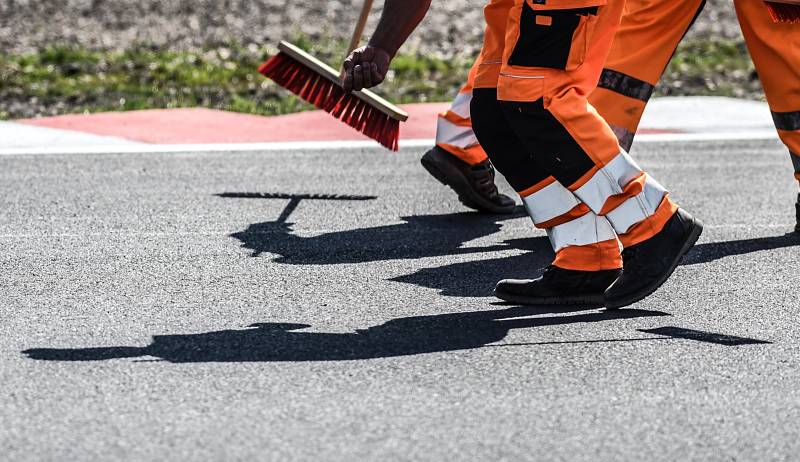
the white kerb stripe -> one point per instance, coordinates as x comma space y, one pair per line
461, 105
450, 133
586, 230
637, 208
608, 181
550, 202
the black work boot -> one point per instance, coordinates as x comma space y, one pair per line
558, 286
474, 184
647, 265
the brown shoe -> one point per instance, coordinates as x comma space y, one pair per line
474, 184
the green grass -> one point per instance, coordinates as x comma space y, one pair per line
720, 68
64, 79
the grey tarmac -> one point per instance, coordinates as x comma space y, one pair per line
336, 305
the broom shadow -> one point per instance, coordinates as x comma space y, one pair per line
417, 237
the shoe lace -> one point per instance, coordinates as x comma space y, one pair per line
482, 176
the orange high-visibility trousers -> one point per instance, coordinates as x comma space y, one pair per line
541, 60
646, 40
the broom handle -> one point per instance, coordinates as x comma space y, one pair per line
360, 26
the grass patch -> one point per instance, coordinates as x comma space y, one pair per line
66, 79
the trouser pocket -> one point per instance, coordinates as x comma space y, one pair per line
555, 39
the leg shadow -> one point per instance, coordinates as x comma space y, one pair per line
706, 253
417, 237
271, 342
478, 278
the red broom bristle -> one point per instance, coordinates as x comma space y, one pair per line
331, 98
784, 12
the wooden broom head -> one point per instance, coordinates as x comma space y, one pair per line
317, 83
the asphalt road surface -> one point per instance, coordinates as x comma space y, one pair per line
336, 305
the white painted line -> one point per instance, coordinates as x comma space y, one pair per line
324, 145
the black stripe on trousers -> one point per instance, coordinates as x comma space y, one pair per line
626, 85
795, 162
787, 121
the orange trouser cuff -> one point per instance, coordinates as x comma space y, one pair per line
650, 226
472, 155
593, 257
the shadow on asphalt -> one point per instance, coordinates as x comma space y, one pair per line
400, 337
417, 237
478, 278
438, 235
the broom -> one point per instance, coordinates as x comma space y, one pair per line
320, 85
784, 11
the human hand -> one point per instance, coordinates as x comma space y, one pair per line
366, 67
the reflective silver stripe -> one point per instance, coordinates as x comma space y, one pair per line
586, 230
461, 105
513, 76
608, 181
450, 133
550, 202
637, 208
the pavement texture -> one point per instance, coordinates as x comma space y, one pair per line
335, 305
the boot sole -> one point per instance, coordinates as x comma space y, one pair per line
451, 177
596, 300
691, 240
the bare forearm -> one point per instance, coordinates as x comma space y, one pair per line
398, 21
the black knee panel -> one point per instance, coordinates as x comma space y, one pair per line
505, 149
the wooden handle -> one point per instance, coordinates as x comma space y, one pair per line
360, 26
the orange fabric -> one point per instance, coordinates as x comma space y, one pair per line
576, 212
537, 187
632, 189
456, 119
775, 49
651, 226
491, 57
596, 257
565, 92
472, 155
646, 40
584, 179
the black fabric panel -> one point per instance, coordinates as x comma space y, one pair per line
624, 136
788, 121
795, 162
546, 46
626, 85
506, 151
553, 146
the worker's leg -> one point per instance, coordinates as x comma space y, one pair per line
648, 35
551, 63
454, 128
458, 160
775, 49
587, 252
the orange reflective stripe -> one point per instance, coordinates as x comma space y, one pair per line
650, 226
472, 155
537, 187
634, 188
594, 257
791, 139
577, 212
456, 119
584, 179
